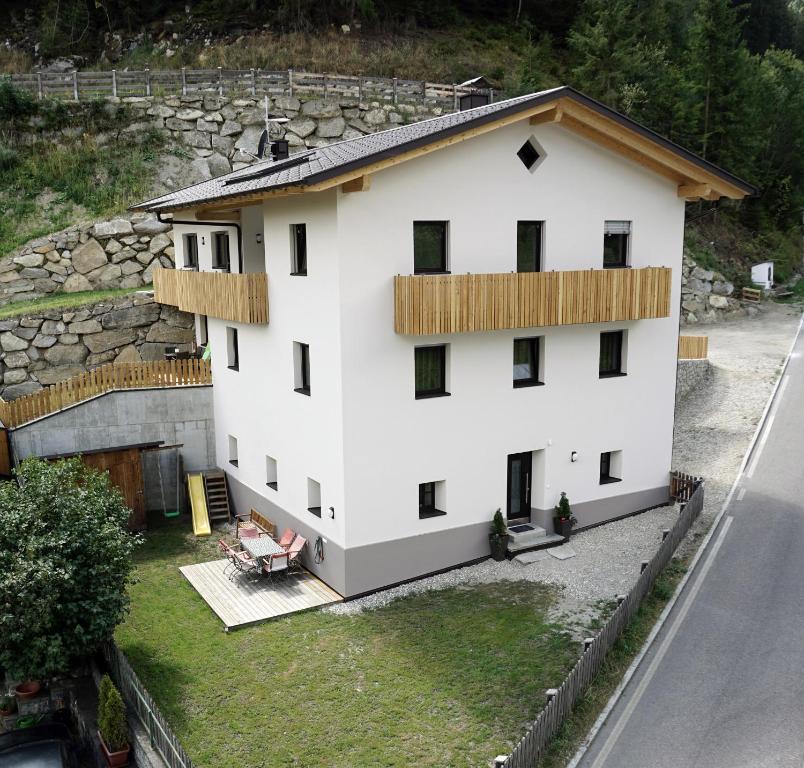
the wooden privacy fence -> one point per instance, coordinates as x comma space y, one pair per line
140, 702
227, 296
254, 82
105, 378
430, 304
561, 700
693, 347
683, 485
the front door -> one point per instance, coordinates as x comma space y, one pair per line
520, 469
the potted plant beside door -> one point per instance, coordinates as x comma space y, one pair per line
564, 520
498, 538
112, 725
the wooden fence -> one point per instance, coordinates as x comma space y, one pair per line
105, 378
561, 700
140, 702
430, 304
693, 347
250, 82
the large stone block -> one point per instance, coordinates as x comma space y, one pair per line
132, 317
287, 103
301, 126
231, 128
62, 354
85, 326
16, 360
112, 228
15, 376
88, 256
48, 376
250, 139
169, 334
30, 260
331, 127
128, 354
159, 243
11, 343
218, 165
189, 114
321, 109
101, 342
19, 390
76, 283
150, 227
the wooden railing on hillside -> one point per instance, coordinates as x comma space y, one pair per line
252, 82
430, 304
105, 378
693, 347
227, 296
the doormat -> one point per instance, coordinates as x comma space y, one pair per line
521, 528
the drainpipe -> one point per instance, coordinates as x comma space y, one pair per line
212, 224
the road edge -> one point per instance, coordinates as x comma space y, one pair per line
660, 622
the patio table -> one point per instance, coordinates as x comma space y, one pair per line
260, 548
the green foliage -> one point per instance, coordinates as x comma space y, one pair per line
65, 563
62, 301
15, 104
498, 524
564, 511
112, 716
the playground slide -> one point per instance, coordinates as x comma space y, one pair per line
198, 504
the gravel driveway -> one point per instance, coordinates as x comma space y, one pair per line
714, 425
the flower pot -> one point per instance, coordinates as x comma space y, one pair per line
499, 546
28, 689
563, 526
114, 759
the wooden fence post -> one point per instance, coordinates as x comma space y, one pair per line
395, 98
75, 84
253, 82
360, 88
114, 83
183, 81
424, 90
491, 95
454, 96
290, 82
39, 86
220, 81
147, 81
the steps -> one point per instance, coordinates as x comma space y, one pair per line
217, 495
528, 537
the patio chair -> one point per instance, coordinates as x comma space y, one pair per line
294, 554
229, 552
275, 565
244, 563
287, 538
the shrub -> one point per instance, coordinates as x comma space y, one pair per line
15, 104
563, 509
498, 525
112, 722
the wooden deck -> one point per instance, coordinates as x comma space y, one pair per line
246, 600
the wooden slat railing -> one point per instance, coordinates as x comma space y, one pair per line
227, 296
693, 347
430, 304
105, 378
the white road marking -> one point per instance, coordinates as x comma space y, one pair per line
767, 428
741, 494
660, 653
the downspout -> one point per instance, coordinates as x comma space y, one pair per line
212, 224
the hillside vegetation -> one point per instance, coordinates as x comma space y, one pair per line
721, 77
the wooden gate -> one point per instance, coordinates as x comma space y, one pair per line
125, 472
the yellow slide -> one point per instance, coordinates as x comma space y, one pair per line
198, 504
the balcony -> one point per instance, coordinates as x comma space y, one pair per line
431, 304
233, 297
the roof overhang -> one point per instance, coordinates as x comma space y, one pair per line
696, 178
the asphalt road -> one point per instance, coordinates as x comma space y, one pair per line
722, 686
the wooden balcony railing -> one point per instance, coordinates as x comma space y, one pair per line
238, 298
430, 304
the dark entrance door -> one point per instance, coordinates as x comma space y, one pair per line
520, 469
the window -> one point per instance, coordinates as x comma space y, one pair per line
301, 365
611, 354
190, 251
431, 371
610, 467
270, 473
528, 154
616, 237
526, 362
529, 246
232, 352
314, 497
220, 251
298, 249
429, 247
233, 451
203, 330
431, 498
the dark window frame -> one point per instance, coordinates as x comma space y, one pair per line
616, 248
539, 225
315, 511
235, 349
440, 391
534, 345
272, 483
190, 241
218, 238
443, 267
427, 506
528, 155
298, 244
605, 469
304, 369
616, 369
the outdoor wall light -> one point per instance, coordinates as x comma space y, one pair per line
259, 237
332, 512
574, 456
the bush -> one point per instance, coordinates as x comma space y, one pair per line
15, 104
498, 525
112, 722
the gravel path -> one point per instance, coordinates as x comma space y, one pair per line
714, 425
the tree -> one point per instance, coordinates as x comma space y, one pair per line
65, 563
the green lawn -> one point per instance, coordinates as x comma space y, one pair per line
64, 301
449, 678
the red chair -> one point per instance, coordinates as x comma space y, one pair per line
287, 538
294, 554
276, 564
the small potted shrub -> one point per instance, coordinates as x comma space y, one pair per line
564, 520
8, 706
112, 724
498, 538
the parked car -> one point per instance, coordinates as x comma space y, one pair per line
41, 746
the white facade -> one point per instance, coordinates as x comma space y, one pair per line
363, 436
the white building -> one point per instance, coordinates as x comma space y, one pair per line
473, 312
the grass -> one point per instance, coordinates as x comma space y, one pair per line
431, 680
63, 301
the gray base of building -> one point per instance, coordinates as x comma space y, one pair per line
358, 570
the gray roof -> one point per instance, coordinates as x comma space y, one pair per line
315, 165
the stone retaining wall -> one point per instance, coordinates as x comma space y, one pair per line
707, 297
691, 375
40, 349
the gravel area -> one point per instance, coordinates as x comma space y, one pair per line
714, 425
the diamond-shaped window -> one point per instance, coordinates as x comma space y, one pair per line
529, 154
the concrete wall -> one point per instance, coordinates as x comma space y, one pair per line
692, 374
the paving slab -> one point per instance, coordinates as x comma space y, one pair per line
564, 552
526, 558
